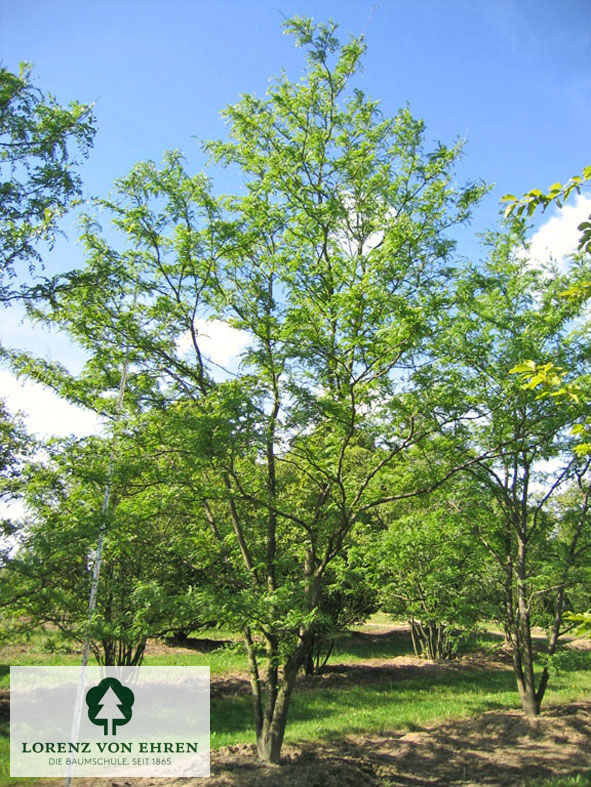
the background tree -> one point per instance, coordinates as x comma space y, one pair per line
145, 581
511, 309
347, 597
41, 145
431, 570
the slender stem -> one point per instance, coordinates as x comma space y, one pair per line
96, 569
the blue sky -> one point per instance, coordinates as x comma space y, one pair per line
512, 77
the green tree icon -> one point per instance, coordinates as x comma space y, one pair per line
109, 701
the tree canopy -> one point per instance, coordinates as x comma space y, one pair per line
41, 147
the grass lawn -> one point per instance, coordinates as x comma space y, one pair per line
361, 691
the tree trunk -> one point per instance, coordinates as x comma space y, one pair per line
270, 738
530, 703
414, 636
523, 648
270, 735
277, 698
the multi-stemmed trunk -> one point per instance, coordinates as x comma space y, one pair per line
272, 694
116, 652
521, 524
430, 640
521, 636
523, 653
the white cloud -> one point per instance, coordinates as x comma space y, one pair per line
45, 414
558, 237
217, 340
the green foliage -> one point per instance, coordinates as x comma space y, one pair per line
374, 369
347, 598
557, 194
144, 590
431, 571
335, 261
583, 619
548, 378
41, 144
15, 444
508, 311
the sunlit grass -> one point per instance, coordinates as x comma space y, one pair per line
387, 704
581, 780
220, 661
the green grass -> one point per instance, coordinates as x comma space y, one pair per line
360, 646
380, 704
220, 661
358, 697
44, 650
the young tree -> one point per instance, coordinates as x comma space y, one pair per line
145, 580
432, 571
335, 262
41, 144
512, 308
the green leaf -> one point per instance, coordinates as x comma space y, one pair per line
524, 366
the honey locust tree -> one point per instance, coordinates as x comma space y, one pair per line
545, 378
335, 262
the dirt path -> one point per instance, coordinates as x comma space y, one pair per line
494, 749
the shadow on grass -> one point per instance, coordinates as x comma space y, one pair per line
495, 749
349, 697
363, 645
199, 644
332, 700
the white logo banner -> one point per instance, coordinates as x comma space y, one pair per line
109, 721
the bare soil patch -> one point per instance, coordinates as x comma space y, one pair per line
495, 748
